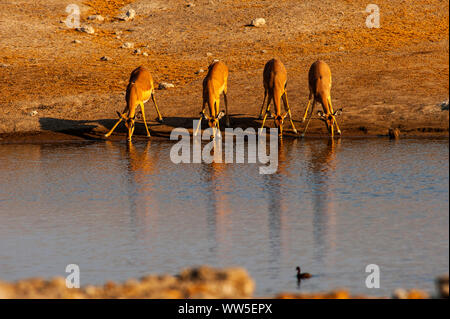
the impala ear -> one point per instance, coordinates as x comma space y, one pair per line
321, 115
220, 115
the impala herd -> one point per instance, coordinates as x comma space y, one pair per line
140, 89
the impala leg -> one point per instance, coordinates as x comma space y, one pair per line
200, 120
227, 119
114, 127
288, 109
143, 116
310, 116
262, 106
332, 112
160, 118
307, 108
198, 126
218, 130
265, 115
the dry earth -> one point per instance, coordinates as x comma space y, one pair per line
394, 76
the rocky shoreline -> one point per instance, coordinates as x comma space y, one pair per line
194, 283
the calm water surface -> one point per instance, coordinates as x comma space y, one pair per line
122, 212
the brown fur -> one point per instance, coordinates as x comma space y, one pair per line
319, 80
275, 82
140, 89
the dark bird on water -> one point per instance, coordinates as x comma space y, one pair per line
301, 275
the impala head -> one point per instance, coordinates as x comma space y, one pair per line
213, 122
329, 118
279, 120
129, 124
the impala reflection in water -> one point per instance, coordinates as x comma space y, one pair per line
121, 211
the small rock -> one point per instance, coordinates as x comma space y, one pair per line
442, 285
105, 58
76, 41
400, 294
258, 22
96, 17
145, 54
137, 51
127, 45
200, 71
190, 5
209, 54
165, 85
263, 51
129, 15
86, 29
33, 113
444, 106
394, 133
4, 65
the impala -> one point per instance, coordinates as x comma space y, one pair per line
214, 84
275, 81
139, 90
319, 79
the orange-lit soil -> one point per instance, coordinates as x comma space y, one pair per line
394, 76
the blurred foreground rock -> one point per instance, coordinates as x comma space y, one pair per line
197, 283
202, 282
442, 286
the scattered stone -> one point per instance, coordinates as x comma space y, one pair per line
258, 22
4, 65
105, 58
165, 85
190, 5
200, 71
129, 15
86, 29
208, 54
137, 51
96, 17
263, 51
442, 284
127, 45
400, 294
145, 54
444, 106
76, 41
394, 133
33, 113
